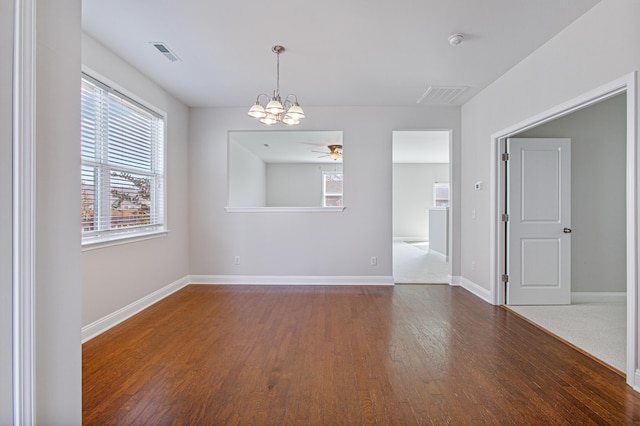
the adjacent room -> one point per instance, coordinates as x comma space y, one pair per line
595, 321
421, 218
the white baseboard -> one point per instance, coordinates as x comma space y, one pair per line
412, 239
454, 280
598, 297
476, 289
636, 381
290, 280
103, 324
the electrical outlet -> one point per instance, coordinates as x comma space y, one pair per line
236, 261
473, 265
374, 261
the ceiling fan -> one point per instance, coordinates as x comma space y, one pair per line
335, 152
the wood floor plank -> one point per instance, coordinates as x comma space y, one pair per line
341, 355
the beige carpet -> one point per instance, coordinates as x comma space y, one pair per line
597, 328
413, 264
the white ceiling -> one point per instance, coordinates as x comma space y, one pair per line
288, 146
421, 146
338, 52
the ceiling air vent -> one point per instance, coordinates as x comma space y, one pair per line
441, 94
162, 48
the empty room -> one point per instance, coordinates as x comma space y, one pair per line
199, 211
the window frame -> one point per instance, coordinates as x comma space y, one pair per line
109, 236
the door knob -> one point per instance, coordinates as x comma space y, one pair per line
567, 230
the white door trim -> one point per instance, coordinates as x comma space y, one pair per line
24, 125
628, 84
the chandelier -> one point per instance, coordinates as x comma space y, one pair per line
276, 111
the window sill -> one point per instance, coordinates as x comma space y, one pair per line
117, 240
284, 209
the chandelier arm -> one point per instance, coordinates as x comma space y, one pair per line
262, 94
291, 96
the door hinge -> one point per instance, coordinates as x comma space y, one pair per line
505, 278
505, 156
505, 217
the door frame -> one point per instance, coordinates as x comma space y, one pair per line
626, 84
452, 192
23, 206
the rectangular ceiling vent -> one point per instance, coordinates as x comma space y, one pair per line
162, 48
441, 94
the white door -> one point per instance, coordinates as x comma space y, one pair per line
539, 223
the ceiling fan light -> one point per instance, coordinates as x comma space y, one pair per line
296, 111
274, 107
269, 119
257, 111
335, 155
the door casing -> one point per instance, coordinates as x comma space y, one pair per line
626, 84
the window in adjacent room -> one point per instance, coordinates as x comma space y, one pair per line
441, 194
332, 189
122, 177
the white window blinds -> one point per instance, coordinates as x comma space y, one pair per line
122, 177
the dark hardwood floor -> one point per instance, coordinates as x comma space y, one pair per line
286, 355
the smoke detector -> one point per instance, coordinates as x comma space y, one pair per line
455, 39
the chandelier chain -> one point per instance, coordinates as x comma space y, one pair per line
278, 73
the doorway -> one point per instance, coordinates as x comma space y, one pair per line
591, 315
626, 248
421, 206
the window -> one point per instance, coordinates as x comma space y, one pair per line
441, 194
122, 177
332, 189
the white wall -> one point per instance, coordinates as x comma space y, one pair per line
113, 277
412, 197
6, 62
247, 178
296, 185
601, 46
314, 244
58, 374
598, 193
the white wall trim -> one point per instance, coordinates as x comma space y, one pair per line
598, 297
626, 84
23, 282
97, 327
476, 289
454, 280
636, 385
103, 324
338, 209
290, 280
